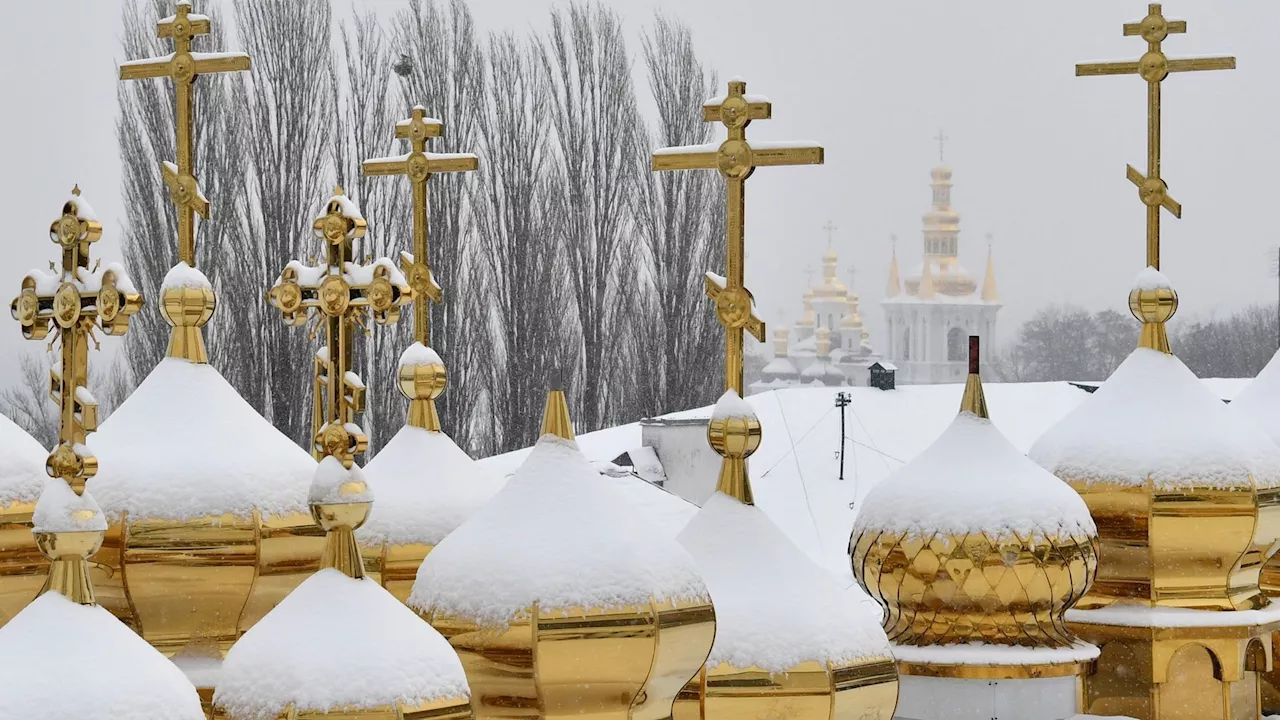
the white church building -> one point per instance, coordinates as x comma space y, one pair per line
932, 311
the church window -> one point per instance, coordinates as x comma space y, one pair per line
955, 345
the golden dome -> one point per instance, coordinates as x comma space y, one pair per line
586, 610
972, 542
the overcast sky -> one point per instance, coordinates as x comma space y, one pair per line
1038, 154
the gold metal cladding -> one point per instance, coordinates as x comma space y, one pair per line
1176, 673
182, 67
68, 571
555, 416
941, 589
419, 166
1153, 67
340, 520
996, 672
199, 584
736, 160
23, 567
1145, 557
443, 709
422, 384
734, 439
623, 663
187, 309
864, 689
1153, 307
340, 307
974, 400
395, 567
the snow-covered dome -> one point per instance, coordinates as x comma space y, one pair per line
113, 673
187, 463
22, 477
971, 542
427, 485
559, 558
1154, 437
779, 368
340, 642
1259, 401
784, 626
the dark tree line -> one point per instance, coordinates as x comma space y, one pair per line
562, 257
1064, 342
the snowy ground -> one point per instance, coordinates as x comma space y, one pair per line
795, 471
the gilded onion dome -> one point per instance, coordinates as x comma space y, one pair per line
971, 542
65, 657
559, 600
1159, 458
22, 477
427, 485
785, 627
340, 645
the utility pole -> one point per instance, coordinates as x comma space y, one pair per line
842, 402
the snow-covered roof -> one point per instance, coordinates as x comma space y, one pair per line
426, 486
333, 642
779, 366
774, 608
22, 474
557, 534
1152, 419
1258, 401
186, 445
123, 677
972, 480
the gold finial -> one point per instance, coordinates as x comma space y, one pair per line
974, 401
182, 67
555, 416
85, 300
1154, 67
734, 433
337, 190
894, 285
422, 379
942, 147
76, 190
341, 296
989, 293
1153, 301
736, 160
830, 229
340, 503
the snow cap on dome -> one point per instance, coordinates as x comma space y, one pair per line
973, 480
774, 607
124, 678
22, 474
558, 535
419, 354
731, 405
186, 445
183, 275
1153, 419
334, 483
61, 510
337, 642
427, 486
1258, 401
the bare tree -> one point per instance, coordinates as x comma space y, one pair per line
289, 111
598, 136
145, 132
516, 208
29, 404
365, 129
680, 217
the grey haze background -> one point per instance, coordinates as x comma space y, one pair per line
1038, 154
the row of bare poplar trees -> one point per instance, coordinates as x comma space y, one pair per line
563, 257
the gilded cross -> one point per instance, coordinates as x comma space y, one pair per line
1154, 67
183, 67
339, 294
71, 302
831, 228
736, 160
942, 146
419, 165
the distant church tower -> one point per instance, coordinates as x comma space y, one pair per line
930, 319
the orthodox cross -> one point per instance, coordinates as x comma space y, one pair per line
736, 160
71, 302
418, 165
830, 227
1154, 67
339, 293
183, 66
942, 146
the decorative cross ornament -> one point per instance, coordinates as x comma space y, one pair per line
183, 66
1154, 67
419, 165
736, 160
942, 146
71, 302
830, 228
339, 293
